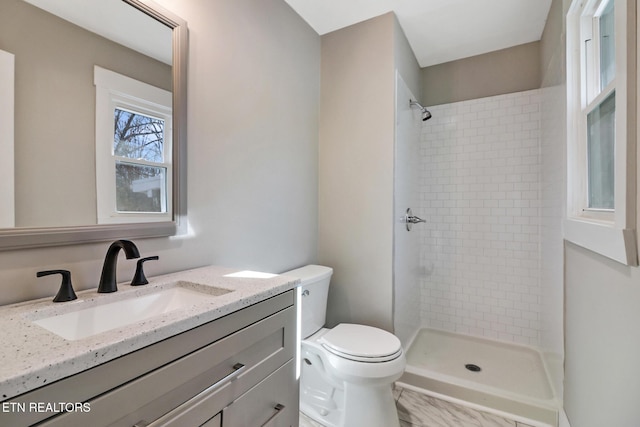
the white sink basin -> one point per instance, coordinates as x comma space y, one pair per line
90, 321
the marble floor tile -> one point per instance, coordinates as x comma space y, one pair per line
422, 410
419, 410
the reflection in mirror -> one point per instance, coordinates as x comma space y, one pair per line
55, 140
133, 149
7, 209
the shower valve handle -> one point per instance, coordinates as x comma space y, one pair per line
410, 218
414, 219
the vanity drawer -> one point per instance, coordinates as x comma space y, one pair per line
233, 364
269, 404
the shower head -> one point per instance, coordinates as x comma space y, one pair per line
426, 114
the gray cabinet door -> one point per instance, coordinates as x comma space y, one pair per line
272, 403
214, 422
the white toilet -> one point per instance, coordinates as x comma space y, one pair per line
347, 372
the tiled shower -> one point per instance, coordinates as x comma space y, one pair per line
480, 189
487, 176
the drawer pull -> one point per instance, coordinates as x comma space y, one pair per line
278, 410
173, 415
237, 370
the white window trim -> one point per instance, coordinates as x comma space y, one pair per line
612, 235
114, 90
7, 113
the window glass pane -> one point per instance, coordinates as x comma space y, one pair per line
138, 136
140, 188
600, 151
607, 46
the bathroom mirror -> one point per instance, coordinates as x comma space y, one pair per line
56, 53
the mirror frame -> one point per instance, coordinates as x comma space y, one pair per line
35, 237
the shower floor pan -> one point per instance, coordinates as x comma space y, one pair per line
506, 378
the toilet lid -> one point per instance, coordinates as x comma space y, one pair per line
360, 342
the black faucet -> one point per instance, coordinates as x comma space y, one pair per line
108, 277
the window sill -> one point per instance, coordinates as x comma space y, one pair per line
604, 239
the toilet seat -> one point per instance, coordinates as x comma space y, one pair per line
361, 343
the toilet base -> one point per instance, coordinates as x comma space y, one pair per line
366, 407
338, 399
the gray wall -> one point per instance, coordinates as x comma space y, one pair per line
602, 343
357, 130
356, 170
405, 61
254, 86
514, 69
552, 46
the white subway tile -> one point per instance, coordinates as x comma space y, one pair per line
480, 187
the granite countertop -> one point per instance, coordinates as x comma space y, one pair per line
31, 356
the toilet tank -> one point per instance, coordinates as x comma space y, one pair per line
314, 283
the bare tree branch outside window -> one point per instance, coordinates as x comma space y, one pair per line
137, 136
139, 187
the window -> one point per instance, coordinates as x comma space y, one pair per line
138, 149
600, 155
133, 150
601, 135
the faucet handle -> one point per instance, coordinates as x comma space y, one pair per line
66, 292
139, 277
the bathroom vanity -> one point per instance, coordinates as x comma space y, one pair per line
228, 360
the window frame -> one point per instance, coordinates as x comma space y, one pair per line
608, 232
116, 91
7, 151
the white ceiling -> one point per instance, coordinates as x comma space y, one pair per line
438, 30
